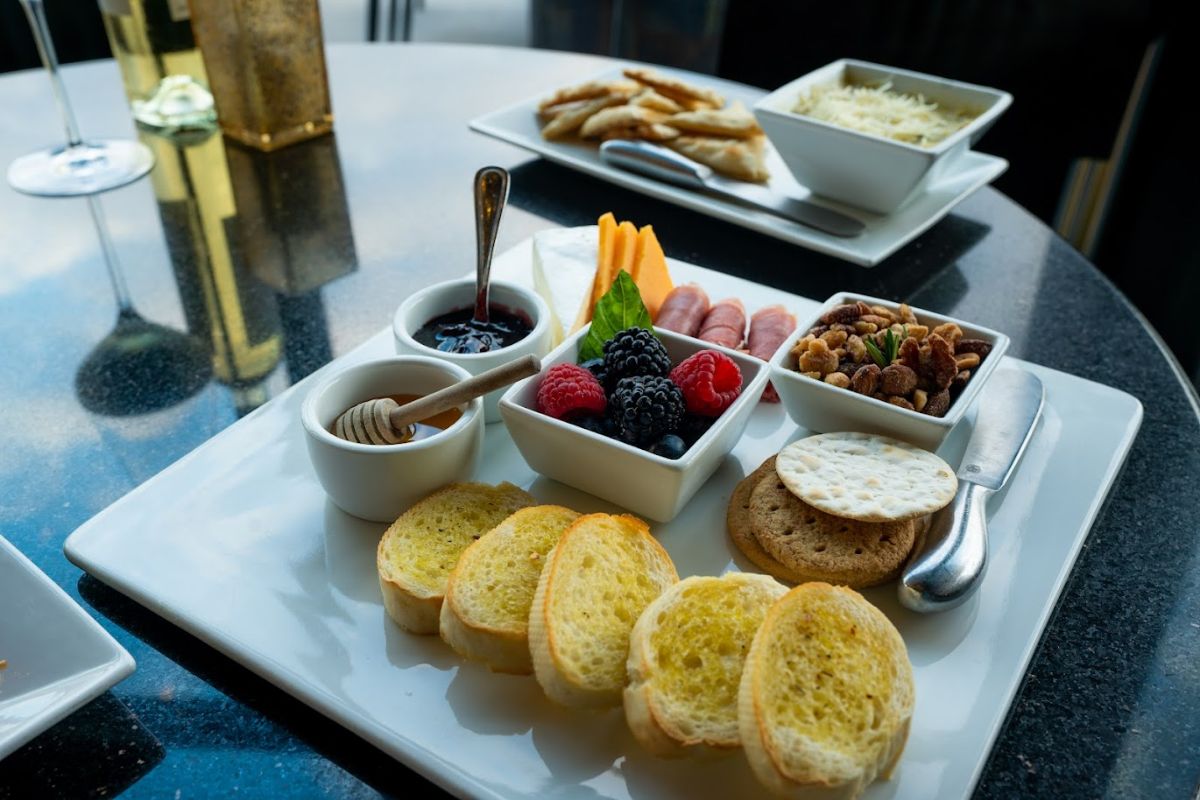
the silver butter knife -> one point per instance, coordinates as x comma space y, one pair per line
666, 165
948, 564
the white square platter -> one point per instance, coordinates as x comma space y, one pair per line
885, 233
58, 657
237, 544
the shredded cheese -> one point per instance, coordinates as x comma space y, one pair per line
880, 111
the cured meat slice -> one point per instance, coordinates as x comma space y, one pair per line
725, 324
683, 310
769, 327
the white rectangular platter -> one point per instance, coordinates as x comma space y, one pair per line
884, 234
58, 658
237, 544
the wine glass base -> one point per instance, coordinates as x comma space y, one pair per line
88, 168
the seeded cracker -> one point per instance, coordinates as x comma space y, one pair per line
737, 521
822, 547
866, 477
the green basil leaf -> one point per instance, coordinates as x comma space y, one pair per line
621, 307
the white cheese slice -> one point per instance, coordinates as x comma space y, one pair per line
564, 267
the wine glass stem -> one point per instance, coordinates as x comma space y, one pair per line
124, 304
36, 11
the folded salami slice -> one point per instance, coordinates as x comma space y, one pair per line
725, 324
683, 310
769, 327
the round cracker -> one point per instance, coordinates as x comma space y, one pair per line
866, 477
822, 547
737, 521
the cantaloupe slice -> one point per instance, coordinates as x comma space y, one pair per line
607, 225
650, 271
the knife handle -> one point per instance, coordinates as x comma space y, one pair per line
948, 563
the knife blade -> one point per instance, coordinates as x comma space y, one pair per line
666, 165
949, 562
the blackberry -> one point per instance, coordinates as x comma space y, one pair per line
693, 426
596, 423
645, 409
632, 353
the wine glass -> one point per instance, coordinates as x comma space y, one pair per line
78, 167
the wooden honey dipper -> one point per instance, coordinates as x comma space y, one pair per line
384, 421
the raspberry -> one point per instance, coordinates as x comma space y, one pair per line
710, 381
645, 409
567, 390
632, 353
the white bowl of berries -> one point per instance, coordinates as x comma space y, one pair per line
643, 426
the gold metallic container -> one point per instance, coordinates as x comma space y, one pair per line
265, 61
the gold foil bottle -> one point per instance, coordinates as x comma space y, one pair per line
265, 61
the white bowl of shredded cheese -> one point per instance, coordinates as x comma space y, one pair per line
875, 136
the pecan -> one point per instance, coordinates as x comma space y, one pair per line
938, 404
907, 315
939, 366
856, 349
886, 313
960, 380
817, 330
848, 368
863, 308
917, 331
834, 338
900, 401
846, 313
920, 398
950, 332
977, 346
967, 361
864, 327
839, 379
910, 354
802, 345
898, 379
866, 379
818, 358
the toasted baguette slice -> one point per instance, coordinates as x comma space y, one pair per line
485, 615
826, 695
420, 548
596, 582
685, 662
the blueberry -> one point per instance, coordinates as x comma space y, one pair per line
596, 367
669, 446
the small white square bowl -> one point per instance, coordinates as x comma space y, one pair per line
646, 484
822, 407
861, 169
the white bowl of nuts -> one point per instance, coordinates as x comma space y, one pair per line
871, 365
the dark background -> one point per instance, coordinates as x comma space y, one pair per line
1071, 66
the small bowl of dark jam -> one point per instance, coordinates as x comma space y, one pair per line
438, 321
378, 482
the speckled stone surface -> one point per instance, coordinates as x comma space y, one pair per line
1110, 706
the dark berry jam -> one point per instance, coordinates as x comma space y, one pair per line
458, 332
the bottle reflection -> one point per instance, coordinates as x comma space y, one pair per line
252, 238
140, 366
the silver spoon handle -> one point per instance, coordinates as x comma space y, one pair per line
948, 563
491, 192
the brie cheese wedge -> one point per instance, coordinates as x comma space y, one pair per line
564, 268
